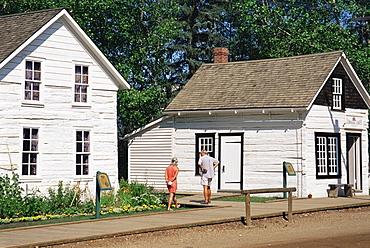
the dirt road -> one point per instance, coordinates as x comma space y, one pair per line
336, 228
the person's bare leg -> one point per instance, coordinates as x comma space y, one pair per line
205, 192
174, 199
209, 194
170, 201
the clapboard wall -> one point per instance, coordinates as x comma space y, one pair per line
57, 117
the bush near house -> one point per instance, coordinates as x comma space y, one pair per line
66, 200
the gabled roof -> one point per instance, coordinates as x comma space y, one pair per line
19, 30
291, 82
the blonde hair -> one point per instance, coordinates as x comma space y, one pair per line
174, 161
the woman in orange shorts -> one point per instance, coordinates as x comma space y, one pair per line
171, 180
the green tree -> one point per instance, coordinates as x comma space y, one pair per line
203, 25
274, 28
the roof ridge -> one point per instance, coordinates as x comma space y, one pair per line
31, 12
273, 59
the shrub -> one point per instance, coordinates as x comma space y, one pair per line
136, 194
11, 201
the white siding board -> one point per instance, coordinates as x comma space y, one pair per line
58, 119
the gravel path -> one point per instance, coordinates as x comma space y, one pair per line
335, 228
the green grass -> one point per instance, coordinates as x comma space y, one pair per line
253, 199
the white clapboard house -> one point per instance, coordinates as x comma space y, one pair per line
310, 111
57, 102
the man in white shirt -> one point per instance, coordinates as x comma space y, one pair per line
207, 165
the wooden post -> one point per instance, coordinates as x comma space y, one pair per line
248, 209
290, 205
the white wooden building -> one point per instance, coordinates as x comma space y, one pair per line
311, 111
57, 102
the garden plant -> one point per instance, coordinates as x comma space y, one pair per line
65, 200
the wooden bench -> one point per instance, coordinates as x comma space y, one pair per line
334, 188
248, 193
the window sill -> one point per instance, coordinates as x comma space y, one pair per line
33, 104
30, 179
81, 106
81, 178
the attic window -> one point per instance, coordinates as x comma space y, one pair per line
81, 84
33, 81
337, 93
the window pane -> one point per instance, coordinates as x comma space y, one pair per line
27, 86
26, 145
26, 133
85, 80
78, 79
28, 65
86, 136
85, 70
33, 170
78, 159
83, 89
35, 133
79, 147
37, 75
37, 66
29, 75
25, 158
86, 147
24, 169
85, 170
79, 136
36, 96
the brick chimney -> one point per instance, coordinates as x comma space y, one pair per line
221, 55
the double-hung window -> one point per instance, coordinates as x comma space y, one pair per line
32, 85
337, 93
82, 152
327, 155
30, 151
81, 84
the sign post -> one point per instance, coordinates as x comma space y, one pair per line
102, 183
287, 168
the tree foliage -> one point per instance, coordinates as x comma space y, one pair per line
157, 45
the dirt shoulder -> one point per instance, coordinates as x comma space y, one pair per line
334, 228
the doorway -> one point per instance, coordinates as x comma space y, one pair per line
354, 168
231, 162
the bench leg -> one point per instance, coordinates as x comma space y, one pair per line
333, 191
348, 190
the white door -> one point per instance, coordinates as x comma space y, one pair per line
354, 161
230, 170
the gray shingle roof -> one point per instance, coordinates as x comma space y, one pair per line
290, 82
18, 28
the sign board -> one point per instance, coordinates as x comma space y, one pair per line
103, 181
289, 168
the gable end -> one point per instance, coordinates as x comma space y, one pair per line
351, 97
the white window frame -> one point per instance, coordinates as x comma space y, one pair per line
36, 152
40, 101
337, 90
81, 152
328, 155
206, 143
88, 94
